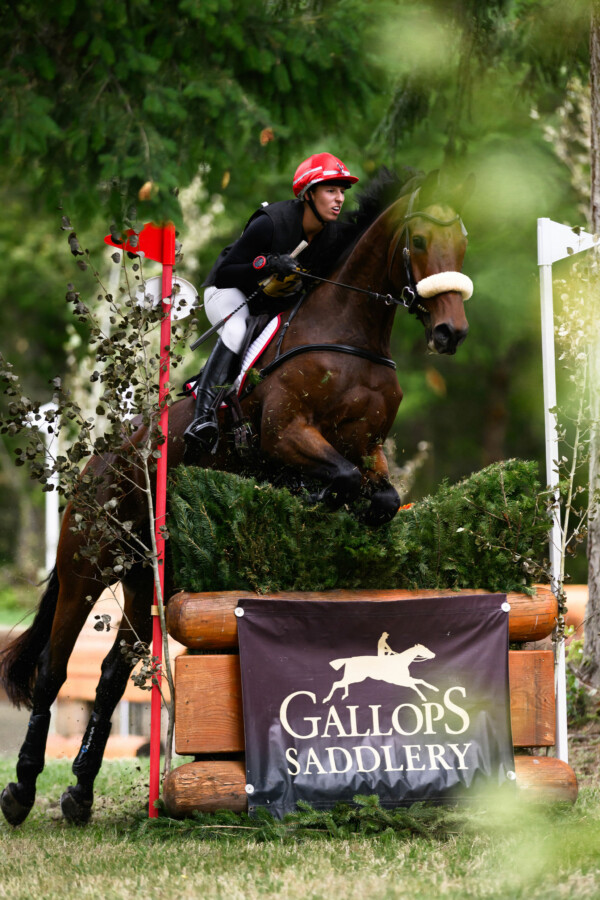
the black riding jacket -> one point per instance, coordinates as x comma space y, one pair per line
277, 228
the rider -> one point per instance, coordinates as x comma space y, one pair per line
237, 281
383, 648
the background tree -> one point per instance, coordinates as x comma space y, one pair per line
102, 96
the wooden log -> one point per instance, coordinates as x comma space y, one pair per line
206, 621
209, 786
208, 702
546, 779
206, 787
208, 705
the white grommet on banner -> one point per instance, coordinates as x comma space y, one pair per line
512, 776
239, 612
249, 788
505, 606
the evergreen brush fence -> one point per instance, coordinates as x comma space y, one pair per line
488, 531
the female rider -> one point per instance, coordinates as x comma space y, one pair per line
237, 281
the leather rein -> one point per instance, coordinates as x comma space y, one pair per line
409, 296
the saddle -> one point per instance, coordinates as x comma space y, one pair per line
260, 332
228, 399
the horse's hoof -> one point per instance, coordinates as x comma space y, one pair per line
15, 811
381, 509
77, 810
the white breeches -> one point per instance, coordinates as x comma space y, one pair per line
219, 302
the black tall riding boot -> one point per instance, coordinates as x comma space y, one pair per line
221, 368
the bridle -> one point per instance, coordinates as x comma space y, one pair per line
410, 292
409, 297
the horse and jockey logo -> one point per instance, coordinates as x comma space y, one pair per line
388, 665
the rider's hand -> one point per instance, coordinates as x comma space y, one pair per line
279, 264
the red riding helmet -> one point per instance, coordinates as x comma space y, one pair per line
318, 168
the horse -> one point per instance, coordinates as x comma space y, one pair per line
323, 408
392, 669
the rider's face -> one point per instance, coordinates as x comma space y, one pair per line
328, 200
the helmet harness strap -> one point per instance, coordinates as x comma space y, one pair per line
310, 200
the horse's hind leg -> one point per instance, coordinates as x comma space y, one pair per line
76, 802
71, 612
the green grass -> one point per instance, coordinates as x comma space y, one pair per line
519, 852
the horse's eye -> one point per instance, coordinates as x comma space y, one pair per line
419, 242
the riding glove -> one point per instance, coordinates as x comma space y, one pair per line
279, 264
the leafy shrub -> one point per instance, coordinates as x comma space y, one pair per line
488, 531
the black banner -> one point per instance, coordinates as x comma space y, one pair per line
405, 699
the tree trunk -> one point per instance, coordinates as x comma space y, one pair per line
591, 649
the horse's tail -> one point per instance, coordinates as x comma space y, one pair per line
18, 661
338, 663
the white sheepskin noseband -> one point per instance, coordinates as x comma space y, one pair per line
442, 282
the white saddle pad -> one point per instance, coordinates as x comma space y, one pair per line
254, 351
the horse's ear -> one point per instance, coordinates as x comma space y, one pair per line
466, 189
461, 194
430, 189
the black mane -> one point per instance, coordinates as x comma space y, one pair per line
385, 188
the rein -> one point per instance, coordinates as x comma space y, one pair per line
388, 299
409, 296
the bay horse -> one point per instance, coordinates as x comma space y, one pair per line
323, 409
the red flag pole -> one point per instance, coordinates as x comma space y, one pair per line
168, 259
157, 243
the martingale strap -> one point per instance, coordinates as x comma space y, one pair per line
338, 348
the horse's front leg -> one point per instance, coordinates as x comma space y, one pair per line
301, 445
425, 684
384, 500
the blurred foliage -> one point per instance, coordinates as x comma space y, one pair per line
580, 705
17, 601
101, 97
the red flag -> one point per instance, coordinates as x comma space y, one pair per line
155, 242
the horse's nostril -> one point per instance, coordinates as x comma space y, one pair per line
442, 335
446, 339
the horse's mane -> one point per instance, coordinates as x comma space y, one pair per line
383, 190
386, 187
